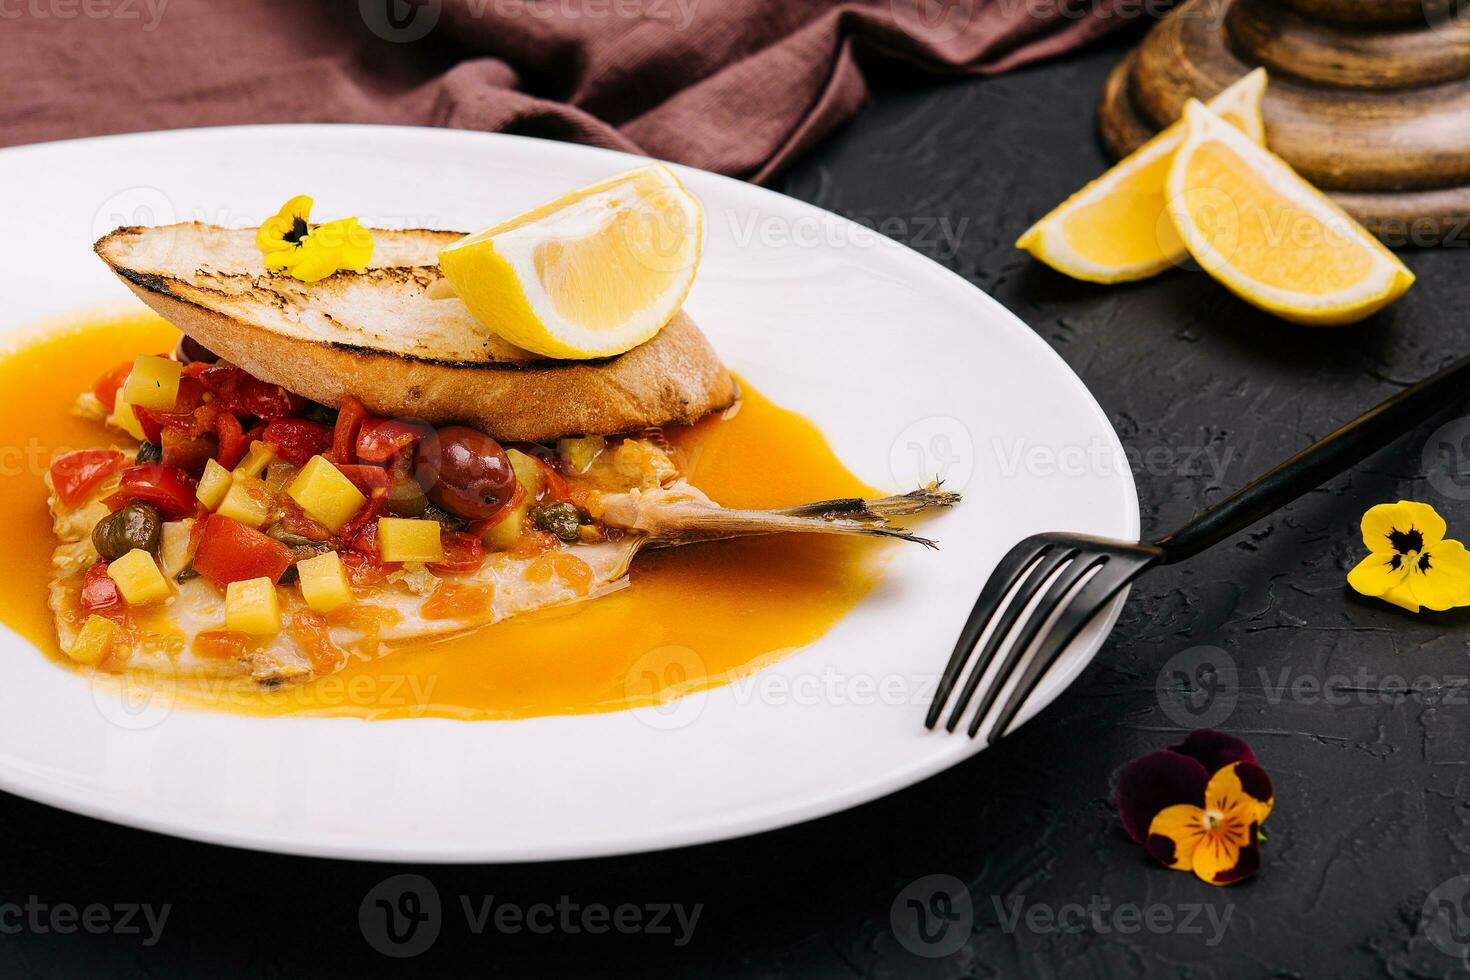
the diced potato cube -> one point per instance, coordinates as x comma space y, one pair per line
504, 533
97, 639
174, 553
579, 453
213, 485
123, 418
154, 383
247, 503
327, 496
253, 607
252, 467
407, 539
527, 471
138, 579
324, 582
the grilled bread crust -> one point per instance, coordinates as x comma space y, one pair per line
377, 335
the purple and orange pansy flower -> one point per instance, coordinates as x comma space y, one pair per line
1198, 806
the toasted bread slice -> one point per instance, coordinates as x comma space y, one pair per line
377, 335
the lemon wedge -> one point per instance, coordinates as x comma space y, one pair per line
1269, 236
1117, 229
592, 274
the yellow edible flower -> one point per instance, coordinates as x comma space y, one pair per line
1411, 563
1220, 841
292, 244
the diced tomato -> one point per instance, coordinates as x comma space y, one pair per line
183, 452
344, 435
168, 489
221, 644
231, 552
239, 393
294, 521
381, 440
556, 484
369, 479
311, 631
99, 591
183, 417
107, 386
232, 442
463, 552
76, 474
297, 440
362, 535
363, 570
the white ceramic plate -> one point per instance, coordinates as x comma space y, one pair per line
907, 368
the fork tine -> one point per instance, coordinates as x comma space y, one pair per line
1041, 570
1082, 563
1011, 567
1083, 608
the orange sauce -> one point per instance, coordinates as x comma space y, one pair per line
691, 618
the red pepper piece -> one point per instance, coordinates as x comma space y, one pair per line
231, 552
168, 489
344, 435
76, 474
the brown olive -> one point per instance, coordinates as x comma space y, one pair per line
191, 350
465, 472
135, 526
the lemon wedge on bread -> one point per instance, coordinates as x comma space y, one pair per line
591, 274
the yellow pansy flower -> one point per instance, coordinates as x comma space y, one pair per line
292, 244
1220, 841
1411, 563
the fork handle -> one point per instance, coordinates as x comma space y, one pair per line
1318, 463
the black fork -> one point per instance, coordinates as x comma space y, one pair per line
1082, 574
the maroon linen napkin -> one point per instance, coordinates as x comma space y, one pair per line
736, 86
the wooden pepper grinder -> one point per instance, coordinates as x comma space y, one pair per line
1368, 99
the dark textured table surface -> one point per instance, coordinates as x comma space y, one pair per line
1205, 392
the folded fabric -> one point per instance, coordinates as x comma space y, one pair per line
736, 86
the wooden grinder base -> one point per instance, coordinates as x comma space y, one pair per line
1368, 99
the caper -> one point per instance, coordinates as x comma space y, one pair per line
290, 540
135, 526
405, 497
561, 519
450, 521
319, 413
149, 452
